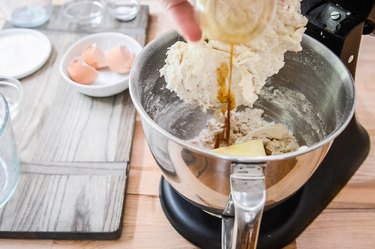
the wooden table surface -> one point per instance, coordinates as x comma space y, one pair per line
348, 222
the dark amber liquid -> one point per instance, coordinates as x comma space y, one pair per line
225, 97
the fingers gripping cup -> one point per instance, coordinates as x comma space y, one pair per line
9, 163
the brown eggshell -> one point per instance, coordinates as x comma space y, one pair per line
93, 56
80, 72
120, 59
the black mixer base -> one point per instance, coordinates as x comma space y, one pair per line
191, 222
203, 229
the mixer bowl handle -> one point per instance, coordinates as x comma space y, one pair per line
243, 213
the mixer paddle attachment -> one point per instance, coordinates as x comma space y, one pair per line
243, 213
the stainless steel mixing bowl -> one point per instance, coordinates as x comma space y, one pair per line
313, 95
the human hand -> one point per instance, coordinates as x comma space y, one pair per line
181, 12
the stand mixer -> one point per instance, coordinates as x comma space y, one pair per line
337, 24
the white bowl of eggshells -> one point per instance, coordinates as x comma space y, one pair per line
98, 65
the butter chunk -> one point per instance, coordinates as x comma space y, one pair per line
252, 148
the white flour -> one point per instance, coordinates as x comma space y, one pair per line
190, 70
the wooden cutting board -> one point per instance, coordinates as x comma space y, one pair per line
74, 149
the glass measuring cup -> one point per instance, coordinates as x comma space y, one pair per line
9, 163
234, 21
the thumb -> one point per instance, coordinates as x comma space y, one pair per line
182, 14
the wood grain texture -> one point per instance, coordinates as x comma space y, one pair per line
74, 149
59, 199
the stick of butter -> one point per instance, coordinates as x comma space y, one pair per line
252, 148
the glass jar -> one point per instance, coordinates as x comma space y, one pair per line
123, 10
27, 14
9, 163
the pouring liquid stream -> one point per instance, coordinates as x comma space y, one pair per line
232, 22
225, 97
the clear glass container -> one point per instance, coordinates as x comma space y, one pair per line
234, 21
123, 10
9, 163
84, 13
27, 14
12, 90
